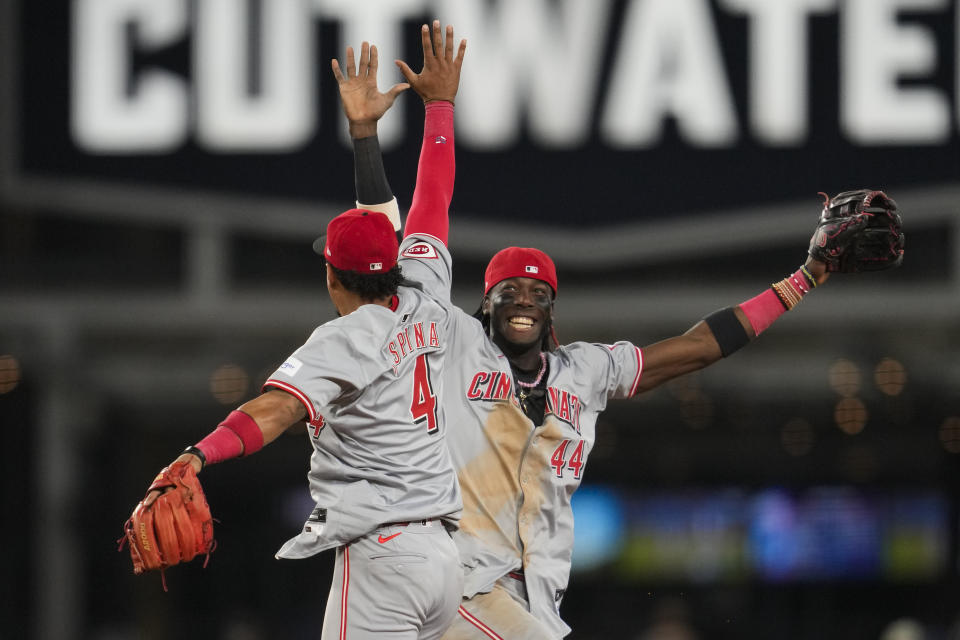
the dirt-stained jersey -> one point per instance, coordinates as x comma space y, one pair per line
516, 478
371, 383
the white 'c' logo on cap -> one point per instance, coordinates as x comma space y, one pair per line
532, 269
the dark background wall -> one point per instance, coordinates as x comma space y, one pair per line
155, 267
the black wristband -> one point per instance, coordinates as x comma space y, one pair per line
727, 330
368, 172
197, 452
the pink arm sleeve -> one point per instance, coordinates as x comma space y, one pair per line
431, 199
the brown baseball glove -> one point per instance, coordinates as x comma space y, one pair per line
174, 528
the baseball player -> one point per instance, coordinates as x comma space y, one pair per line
522, 410
368, 386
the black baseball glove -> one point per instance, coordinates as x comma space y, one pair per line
858, 231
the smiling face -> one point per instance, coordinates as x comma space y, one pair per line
521, 313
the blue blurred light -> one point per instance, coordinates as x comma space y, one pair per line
599, 527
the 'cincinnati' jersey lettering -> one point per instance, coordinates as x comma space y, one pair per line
497, 386
411, 339
565, 406
490, 385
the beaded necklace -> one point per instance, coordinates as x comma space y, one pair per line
531, 390
543, 367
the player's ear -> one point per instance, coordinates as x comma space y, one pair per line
485, 305
332, 282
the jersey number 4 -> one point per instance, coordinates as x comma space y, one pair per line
424, 405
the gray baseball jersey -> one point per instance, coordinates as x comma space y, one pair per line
370, 382
517, 478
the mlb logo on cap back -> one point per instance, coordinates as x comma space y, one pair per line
361, 241
520, 262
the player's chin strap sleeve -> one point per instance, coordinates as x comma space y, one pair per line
238, 435
760, 310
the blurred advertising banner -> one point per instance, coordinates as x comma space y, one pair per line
617, 109
769, 534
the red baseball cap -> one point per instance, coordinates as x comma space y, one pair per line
359, 240
520, 262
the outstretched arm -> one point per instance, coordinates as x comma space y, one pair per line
244, 431
437, 85
858, 230
724, 331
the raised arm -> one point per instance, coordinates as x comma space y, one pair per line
437, 85
364, 105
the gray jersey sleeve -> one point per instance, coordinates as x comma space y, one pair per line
615, 368
425, 259
329, 368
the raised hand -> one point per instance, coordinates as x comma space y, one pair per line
440, 77
363, 104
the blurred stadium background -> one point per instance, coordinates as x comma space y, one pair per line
165, 166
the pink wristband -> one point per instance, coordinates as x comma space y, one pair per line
762, 310
219, 445
238, 435
246, 429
